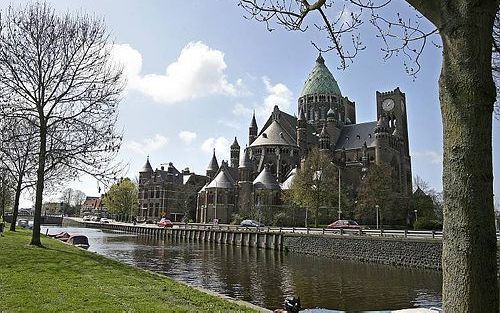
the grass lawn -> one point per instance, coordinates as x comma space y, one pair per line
62, 278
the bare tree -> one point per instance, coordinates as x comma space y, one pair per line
496, 60
467, 96
57, 73
17, 146
72, 200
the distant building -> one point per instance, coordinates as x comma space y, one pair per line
93, 206
168, 192
326, 120
50, 208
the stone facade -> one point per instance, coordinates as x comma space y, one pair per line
326, 120
161, 190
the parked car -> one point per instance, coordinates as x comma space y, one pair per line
250, 223
86, 218
164, 222
105, 221
345, 224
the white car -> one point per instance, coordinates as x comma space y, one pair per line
86, 218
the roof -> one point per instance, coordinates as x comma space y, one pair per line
245, 161
289, 124
147, 167
320, 80
213, 165
355, 135
287, 184
253, 123
266, 180
223, 180
235, 143
275, 134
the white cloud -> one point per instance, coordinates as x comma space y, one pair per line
148, 145
221, 145
278, 94
240, 109
199, 71
187, 136
130, 59
433, 156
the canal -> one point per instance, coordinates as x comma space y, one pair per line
265, 277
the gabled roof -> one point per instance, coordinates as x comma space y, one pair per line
289, 124
222, 180
266, 180
320, 80
355, 135
274, 134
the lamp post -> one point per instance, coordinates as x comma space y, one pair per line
339, 211
377, 208
415, 214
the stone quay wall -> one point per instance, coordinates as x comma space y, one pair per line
419, 253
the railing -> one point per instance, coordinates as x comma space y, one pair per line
388, 233
322, 231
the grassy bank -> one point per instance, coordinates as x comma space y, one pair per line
62, 278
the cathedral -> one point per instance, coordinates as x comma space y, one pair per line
325, 119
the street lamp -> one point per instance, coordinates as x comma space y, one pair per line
415, 215
339, 211
377, 208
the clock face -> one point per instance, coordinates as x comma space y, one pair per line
388, 104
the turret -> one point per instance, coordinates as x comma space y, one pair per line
235, 153
245, 169
213, 166
302, 132
252, 130
146, 172
381, 139
324, 140
364, 160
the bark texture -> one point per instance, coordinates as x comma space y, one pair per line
35, 238
15, 209
467, 94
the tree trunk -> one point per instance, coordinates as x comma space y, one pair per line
467, 94
35, 239
15, 209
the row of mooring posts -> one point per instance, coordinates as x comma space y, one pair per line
240, 237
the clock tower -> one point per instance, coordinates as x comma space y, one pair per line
392, 106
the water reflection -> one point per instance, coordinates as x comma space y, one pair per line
264, 277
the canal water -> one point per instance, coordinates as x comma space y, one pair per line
265, 277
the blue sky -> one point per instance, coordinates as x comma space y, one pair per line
197, 69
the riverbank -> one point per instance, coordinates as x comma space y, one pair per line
60, 277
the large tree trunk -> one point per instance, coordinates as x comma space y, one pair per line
15, 209
467, 94
35, 239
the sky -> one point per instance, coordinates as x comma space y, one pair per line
197, 69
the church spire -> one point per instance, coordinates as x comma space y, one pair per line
252, 130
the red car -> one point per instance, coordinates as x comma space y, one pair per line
165, 223
345, 224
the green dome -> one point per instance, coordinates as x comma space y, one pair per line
320, 80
